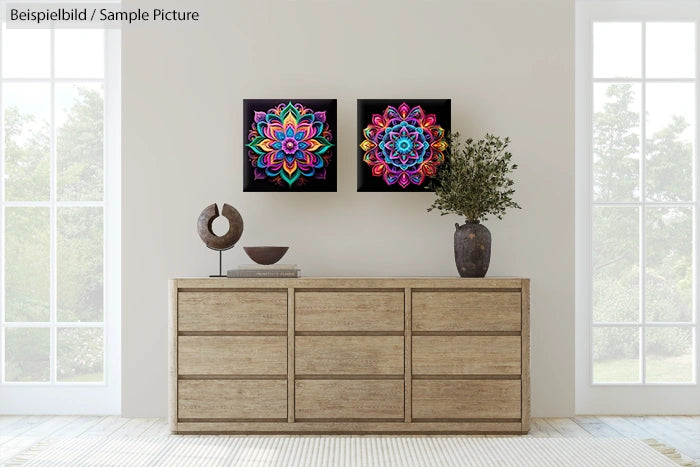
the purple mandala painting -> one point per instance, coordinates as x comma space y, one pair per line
289, 145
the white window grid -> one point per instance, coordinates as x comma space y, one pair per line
53, 204
642, 325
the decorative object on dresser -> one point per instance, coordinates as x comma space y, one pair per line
265, 254
289, 145
272, 270
474, 183
224, 242
401, 142
266, 258
350, 355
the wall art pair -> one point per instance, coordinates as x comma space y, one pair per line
291, 144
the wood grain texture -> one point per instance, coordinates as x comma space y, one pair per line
349, 311
172, 355
232, 311
106, 427
291, 319
356, 399
525, 355
568, 428
407, 355
466, 399
232, 355
466, 311
350, 355
465, 355
347, 355
232, 399
352, 283
41, 428
344, 427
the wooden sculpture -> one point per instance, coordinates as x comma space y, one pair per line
223, 242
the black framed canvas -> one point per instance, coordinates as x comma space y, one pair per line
289, 145
400, 142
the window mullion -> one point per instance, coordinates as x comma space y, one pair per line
645, 80
696, 236
52, 216
642, 211
66, 324
55, 80
105, 190
590, 202
2, 222
658, 204
648, 325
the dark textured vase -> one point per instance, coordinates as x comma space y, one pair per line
472, 249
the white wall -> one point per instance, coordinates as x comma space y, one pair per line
507, 65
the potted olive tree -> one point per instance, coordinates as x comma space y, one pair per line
475, 183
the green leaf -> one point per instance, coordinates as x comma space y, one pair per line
474, 181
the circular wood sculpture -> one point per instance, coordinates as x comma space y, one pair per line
229, 239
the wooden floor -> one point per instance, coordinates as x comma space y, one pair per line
19, 433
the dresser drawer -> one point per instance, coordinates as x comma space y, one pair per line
349, 311
466, 311
349, 399
232, 355
232, 311
231, 399
466, 355
349, 355
450, 399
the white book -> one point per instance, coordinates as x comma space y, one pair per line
268, 267
263, 273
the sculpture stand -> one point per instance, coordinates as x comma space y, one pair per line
221, 271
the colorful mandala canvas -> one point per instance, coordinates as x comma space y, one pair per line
401, 143
289, 145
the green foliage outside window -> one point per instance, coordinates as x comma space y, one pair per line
79, 177
668, 273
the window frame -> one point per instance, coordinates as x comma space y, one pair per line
55, 397
640, 397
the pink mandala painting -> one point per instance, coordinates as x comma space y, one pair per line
401, 143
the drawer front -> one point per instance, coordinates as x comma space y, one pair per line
232, 311
349, 311
466, 311
466, 355
349, 399
450, 399
349, 355
230, 399
232, 355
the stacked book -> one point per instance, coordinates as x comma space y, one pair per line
270, 270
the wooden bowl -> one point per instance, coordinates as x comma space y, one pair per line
265, 254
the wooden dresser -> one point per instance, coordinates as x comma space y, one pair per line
350, 355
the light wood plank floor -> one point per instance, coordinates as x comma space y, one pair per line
18, 433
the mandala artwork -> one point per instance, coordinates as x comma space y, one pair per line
402, 144
289, 145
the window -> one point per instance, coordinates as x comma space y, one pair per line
59, 223
637, 103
